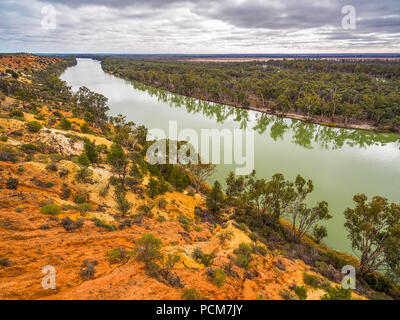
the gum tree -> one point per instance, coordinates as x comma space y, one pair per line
374, 231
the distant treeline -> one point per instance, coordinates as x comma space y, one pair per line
341, 91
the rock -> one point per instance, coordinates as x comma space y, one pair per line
56, 140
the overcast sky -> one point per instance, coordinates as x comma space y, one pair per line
201, 26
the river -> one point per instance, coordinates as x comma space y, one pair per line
340, 162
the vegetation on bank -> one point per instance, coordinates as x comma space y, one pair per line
322, 91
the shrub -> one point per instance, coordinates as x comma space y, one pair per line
156, 187
40, 117
145, 211
287, 295
316, 282
132, 182
125, 223
116, 255
8, 156
83, 208
65, 193
148, 249
33, 126
52, 167
71, 225
101, 224
197, 254
90, 151
301, 292
243, 255
162, 203
197, 228
225, 236
191, 294
89, 270
12, 183
3, 138
15, 113
104, 191
63, 173
262, 250
122, 204
337, 293
207, 259
52, 209
83, 160
183, 219
377, 282
29, 148
218, 278
65, 124
81, 196
5, 262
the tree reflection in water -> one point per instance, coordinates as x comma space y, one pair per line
301, 133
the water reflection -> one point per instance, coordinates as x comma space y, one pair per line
304, 134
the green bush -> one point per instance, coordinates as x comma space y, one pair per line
83, 208
301, 292
81, 196
192, 294
83, 160
316, 282
261, 250
101, 224
83, 174
16, 113
219, 277
337, 293
156, 187
50, 209
65, 124
3, 138
207, 259
33, 126
116, 255
29, 148
145, 211
148, 249
243, 255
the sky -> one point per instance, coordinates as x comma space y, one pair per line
201, 26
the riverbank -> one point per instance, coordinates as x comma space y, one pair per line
319, 120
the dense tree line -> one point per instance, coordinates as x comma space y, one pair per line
328, 90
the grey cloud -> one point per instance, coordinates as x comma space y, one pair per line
198, 26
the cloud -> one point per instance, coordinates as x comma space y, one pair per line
205, 26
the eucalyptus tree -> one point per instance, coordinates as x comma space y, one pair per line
374, 231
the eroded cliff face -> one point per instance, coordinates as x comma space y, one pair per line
31, 240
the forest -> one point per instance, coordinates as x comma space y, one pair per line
337, 93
